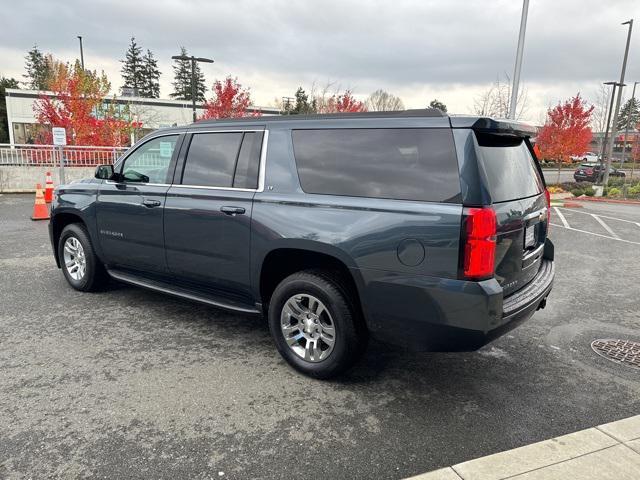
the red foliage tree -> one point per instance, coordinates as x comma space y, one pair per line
78, 105
343, 103
229, 100
566, 131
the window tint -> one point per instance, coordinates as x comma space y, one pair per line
405, 164
149, 163
211, 159
248, 161
510, 171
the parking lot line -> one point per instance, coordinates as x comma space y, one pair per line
561, 217
591, 233
605, 226
573, 210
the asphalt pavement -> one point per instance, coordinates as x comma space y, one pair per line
128, 383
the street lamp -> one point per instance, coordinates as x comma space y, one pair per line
518, 67
193, 60
626, 128
605, 179
606, 128
81, 53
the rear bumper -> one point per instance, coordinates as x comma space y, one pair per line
450, 315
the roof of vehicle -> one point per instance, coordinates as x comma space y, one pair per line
475, 122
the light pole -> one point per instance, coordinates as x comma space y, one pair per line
605, 179
193, 60
626, 128
606, 128
518, 67
81, 52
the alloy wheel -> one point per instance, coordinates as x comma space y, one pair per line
308, 328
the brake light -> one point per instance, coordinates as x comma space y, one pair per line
479, 242
547, 195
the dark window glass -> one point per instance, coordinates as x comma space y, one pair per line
211, 159
510, 171
404, 164
149, 163
248, 161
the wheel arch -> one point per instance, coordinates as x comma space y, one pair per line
58, 222
286, 259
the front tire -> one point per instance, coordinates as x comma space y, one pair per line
80, 265
316, 324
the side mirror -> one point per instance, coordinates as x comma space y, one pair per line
104, 172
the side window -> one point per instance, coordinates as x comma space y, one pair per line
149, 163
211, 159
246, 175
401, 163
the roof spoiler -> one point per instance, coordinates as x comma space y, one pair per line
491, 125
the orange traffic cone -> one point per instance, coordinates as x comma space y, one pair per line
48, 190
40, 210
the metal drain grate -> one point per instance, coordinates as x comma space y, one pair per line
619, 351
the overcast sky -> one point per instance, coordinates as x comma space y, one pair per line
419, 50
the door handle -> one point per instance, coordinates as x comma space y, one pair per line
151, 203
232, 210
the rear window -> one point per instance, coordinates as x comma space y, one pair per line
509, 168
403, 164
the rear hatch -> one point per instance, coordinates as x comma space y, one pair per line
513, 178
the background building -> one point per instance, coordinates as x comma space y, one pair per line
153, 113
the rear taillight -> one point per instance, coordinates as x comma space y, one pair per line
547, 195
479, 243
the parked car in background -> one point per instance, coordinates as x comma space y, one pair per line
593, 172
587, 157
419, 229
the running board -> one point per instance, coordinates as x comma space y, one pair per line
178, 292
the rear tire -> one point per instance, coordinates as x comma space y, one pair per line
80, 265
316, 324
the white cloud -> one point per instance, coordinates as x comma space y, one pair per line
419, 50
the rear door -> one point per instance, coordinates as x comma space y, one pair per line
517, 192
207, 222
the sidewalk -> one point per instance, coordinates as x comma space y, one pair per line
610, 451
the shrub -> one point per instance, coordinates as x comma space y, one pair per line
569, 186
616, 182
555, 189
589, 192
613, 192
634, 191
577, 192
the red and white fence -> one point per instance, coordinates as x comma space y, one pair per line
47, 155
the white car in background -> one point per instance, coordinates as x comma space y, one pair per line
586, 157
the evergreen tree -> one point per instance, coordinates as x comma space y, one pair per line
151, 74
4, 127
182, 79
303, 106
629, 112
435, 103
38, 68
133, 68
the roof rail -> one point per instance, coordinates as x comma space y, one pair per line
424, 112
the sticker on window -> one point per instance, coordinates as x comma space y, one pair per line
166, 149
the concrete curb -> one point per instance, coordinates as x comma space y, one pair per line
608, 200
606, 451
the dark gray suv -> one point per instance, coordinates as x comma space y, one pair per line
417, 228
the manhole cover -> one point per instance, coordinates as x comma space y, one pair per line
619, 351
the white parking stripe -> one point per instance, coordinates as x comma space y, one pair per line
575, 210
561, 217
595, 234
605, 226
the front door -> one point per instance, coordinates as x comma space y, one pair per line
208, 212
130, 208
